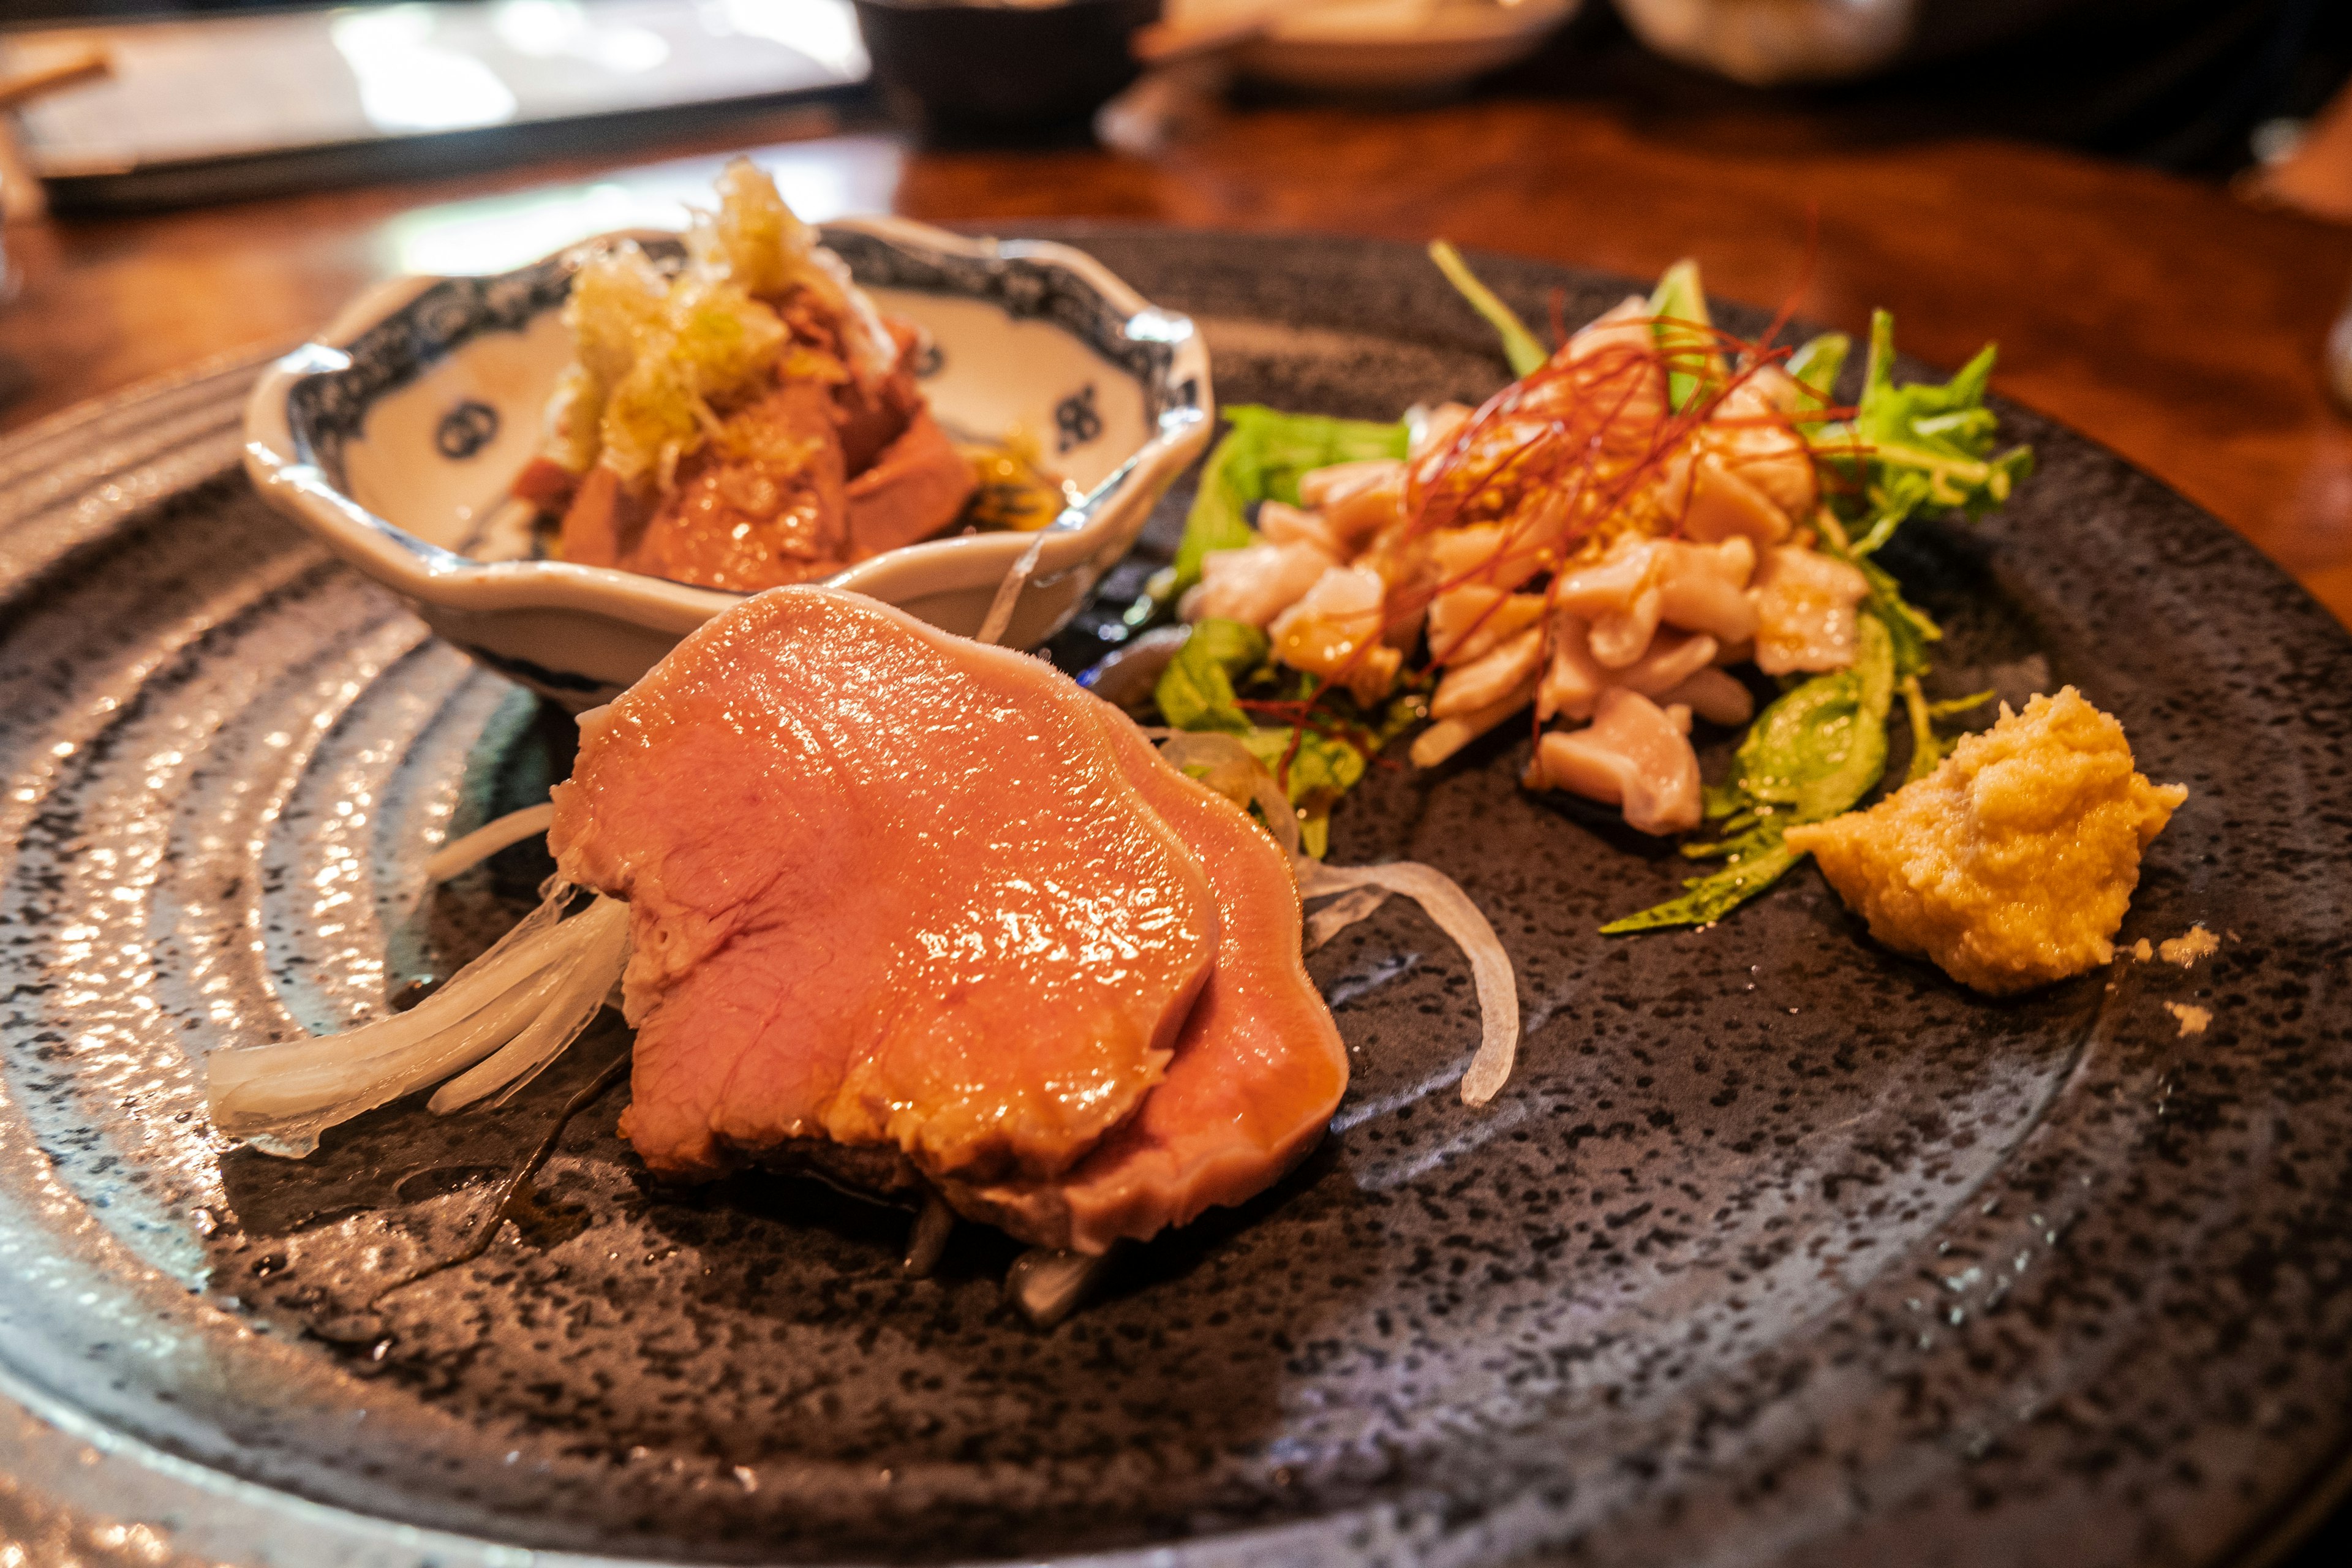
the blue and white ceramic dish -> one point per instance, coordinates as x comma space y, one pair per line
395, 436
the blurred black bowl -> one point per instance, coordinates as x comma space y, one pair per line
979, 69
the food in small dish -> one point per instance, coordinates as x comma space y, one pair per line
747, 421
2013, 864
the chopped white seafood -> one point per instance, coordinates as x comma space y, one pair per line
1451, 733
1254, 583
1487, 553
1624, 325
1611, 583
1428, 429
1280, 524
1704, 588
1621, 636
1501, 672
1805, 611
1716, 696
1573, 681
1356, 499
1325, 633
1635, 755
1751, 436
1467, 623
1671, 659
1723, 504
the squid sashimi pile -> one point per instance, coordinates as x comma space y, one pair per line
1575, 546
749, 421
920, 912
1655, 524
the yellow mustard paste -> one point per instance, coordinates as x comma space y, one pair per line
2013, 864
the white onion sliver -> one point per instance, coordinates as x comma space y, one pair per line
1357, 904
285, 1115
1008, 594
280, 1096
603, 954
1490, 966
928, 1239
1235, 772
1047, 1285
463, 855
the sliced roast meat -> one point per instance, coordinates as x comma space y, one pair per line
888, 888
1258, 1072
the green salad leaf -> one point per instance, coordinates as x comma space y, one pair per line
1930, 446
1196, 691
1261, 457
1818, 361
1520, 345
1684, 332
1818, 748
1200, 690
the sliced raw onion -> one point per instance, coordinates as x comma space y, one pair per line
280, 1097
1008, 594
928, 1239
1047, 1286
1443, 899
1357, 904
588, 982
462, 855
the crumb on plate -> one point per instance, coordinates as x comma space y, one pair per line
2191, 945
2193, 1018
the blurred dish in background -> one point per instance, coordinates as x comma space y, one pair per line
1010, 65
199, 109
1776, 42
1371, 45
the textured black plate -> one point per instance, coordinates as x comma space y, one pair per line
1775, 1249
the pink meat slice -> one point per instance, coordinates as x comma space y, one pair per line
888, 888
1258, 1071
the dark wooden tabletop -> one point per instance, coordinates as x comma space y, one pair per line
2166, 318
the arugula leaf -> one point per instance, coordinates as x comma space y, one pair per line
1260, 459
1928, 748
1821, 745
1818, 748
1931, 444
1199, 690
1710, 899
1520, 345
1196, 691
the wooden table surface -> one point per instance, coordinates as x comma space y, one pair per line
2167, 318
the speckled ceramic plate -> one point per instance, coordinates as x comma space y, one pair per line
1776, 1249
